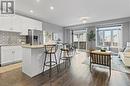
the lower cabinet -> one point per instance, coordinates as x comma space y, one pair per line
10, 54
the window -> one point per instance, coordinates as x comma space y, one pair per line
109, 36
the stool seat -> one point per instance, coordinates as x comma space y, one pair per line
66, 58
49, 52
64, 49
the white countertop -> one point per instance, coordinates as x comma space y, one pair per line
33, 46
36, 46
8, 45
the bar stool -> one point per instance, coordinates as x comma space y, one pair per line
65, 52
49, 50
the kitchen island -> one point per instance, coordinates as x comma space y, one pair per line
33, 58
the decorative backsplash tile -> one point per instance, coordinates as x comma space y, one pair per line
10, 38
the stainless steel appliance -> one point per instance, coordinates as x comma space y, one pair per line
34, 37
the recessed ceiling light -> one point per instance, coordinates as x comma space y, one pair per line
84, 19
51, 7
31, 11
37, 0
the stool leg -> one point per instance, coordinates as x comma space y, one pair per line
55, 58
56, 63
59, 64
68, 53
60, 53
44, 62
60, 56
50, 67
69, 61
60, 59
90, 65
65, 63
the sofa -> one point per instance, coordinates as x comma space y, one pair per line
125, 55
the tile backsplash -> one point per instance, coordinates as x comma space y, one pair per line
10, 38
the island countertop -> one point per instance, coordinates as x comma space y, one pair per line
36, 46
32, 46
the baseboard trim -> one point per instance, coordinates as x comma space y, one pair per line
5, 64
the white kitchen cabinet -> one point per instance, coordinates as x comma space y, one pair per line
37, 25
10, 23
28, 23
17, 53
6, 23
10, 54
19, 23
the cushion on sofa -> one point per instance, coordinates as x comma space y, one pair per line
127, 49
127, 54
122, 49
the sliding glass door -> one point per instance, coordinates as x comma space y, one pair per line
110, 37
79, 39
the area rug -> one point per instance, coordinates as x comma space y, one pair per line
10, 67
118, 65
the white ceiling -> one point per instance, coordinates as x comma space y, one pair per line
68, 12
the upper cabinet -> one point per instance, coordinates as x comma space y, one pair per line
19, 24
28, 23
6, 23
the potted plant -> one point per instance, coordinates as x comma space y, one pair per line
91, 38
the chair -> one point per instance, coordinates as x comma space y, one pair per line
49, 50
100, 58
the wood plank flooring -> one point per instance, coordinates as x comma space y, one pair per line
4, 69
77, 74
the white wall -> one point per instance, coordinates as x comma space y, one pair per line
66, 36
53, 28
129, 31
125, 33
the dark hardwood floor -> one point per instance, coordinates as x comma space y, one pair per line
77, 74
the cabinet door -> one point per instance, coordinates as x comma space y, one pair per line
28, 23
25, 25
18, 53
11, 23
17, 23
37, 25
11, 54
6, 55
6, 23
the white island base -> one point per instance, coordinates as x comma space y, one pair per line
32, 61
